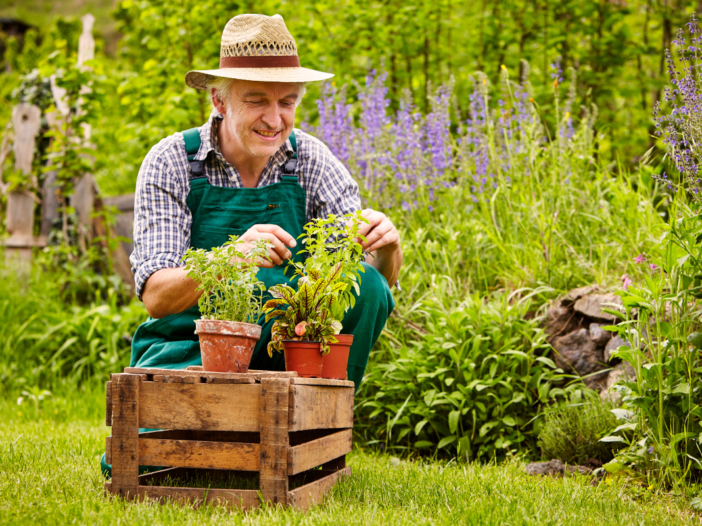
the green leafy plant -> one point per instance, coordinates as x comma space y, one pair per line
231, 289
326, 281
663, 405
571, 430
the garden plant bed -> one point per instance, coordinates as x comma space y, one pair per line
285, 436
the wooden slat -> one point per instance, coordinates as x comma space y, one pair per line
249, 377
178, 379
243, 499
200, 406
242, 378
317, 452
108, 405
309, 494
322, 381
320, 407
199, 454
204, 436
274, 439
125, 433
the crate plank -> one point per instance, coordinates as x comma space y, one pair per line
313, 493
320, 407
108, 406
200, 406
204, 436
243, 499
199, 454
275, 441
322, 381
315, 453
125, 434
242, 378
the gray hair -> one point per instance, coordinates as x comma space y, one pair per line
223, 89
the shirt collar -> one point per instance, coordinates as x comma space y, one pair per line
210, 143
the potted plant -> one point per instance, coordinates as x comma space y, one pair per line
309, 325
230, 304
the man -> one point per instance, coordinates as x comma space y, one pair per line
246, 173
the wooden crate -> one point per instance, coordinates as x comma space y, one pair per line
274, 425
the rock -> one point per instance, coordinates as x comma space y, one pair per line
593, 304
598, 334
621, 372
576, 351
560, 319
554, 468
575, 294
612, 345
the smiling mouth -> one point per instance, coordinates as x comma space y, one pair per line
268, 134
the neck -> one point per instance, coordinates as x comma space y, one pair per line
250, 167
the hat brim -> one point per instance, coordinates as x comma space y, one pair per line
198, 79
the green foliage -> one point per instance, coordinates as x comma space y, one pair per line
231, 291
307, 313
329, 242
326, 282
571, 430
661, 313
49, 342
468, 384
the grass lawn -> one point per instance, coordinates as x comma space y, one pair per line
49, 475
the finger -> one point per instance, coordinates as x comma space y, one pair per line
374, 219
390, 238
277, 232
377, 233
278, 252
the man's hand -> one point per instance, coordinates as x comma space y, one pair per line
275, 236
383, 242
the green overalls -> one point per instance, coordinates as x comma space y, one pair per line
218, 212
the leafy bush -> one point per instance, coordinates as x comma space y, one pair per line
571, 430
660, 312
470, 384
47, 342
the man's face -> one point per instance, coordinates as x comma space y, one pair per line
259, 116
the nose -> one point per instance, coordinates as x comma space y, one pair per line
271, 117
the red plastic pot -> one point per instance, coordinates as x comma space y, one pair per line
336, 360
303, 357
226, 346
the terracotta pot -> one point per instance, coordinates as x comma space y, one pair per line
336, 360
226, 346
304, 357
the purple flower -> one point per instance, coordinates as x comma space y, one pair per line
640, 258
652, 266
650, 450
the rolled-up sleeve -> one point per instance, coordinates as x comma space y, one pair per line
162, 219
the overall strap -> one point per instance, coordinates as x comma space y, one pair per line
192, 145
291, 164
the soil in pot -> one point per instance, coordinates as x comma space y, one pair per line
336, 360
226, 346
303, 357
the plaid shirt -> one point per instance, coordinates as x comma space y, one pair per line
162, 219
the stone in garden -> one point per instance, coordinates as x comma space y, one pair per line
593, 304
554, 468
575, 294
560, 319
598, 334
621, 372
577, 352
612, 345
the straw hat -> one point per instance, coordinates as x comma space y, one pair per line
259, 48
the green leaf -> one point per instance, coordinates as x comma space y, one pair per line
509, 421
446, 441
418, 428
453, 418
612, 439
623, 414
423, 443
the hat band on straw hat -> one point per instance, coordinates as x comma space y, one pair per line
260, 61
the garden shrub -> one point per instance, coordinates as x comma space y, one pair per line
571, 430
470, 383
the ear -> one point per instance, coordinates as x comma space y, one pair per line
217, 102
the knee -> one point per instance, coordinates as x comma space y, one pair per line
375, 291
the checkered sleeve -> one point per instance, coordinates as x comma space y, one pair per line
334, 190
162, 219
